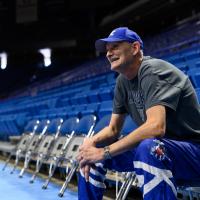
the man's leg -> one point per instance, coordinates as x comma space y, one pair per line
160, 163
94, 189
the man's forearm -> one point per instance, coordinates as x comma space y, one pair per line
147, 130
105, 137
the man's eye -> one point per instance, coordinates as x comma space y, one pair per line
115, 46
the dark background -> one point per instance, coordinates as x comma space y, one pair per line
70, 29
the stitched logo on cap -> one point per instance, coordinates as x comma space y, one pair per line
112, 33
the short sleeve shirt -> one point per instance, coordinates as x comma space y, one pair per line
160, 83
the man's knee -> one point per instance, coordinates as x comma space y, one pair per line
145, 146
152, 150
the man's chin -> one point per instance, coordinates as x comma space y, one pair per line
114, 67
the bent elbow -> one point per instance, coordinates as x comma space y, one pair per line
159, 130
161, 133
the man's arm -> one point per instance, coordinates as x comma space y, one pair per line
110, 134
154, 126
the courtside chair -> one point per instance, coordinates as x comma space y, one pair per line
40, 132
46, 146
24, 140
83, 130
55, 159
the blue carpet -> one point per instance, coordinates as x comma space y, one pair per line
14, 188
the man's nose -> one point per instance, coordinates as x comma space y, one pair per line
108, 53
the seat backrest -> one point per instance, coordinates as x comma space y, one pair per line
102, 123
42, 126
84, 129
67, 131
86, 124
29, 131
31, 125
69, 125
54, 125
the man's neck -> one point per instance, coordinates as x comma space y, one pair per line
131, 72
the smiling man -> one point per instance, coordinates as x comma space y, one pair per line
165, 148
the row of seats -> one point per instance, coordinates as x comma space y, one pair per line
13, 124
58, 98
189, 62
172, 40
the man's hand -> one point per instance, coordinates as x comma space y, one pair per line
88, 155
86, 171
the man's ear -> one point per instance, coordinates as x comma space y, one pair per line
136, 47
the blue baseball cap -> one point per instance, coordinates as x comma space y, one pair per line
117, 35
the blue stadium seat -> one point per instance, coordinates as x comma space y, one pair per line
65, 102
198, 93
129, 126
197, 64
86, 124
183, 67
77, 111
177, 58
69, 125
41, 126
194, 75
191, 59
30, 126
105, 108
106, 94
53, 126
102, 123
91, 108
93, 96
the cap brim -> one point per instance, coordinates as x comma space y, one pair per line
100, 44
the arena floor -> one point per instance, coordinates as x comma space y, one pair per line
14, 188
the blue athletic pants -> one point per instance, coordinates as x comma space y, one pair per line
160, 165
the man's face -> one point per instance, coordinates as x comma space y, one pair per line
120, 55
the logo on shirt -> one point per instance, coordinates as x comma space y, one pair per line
137, 98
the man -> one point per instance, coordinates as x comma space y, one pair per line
165, 148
